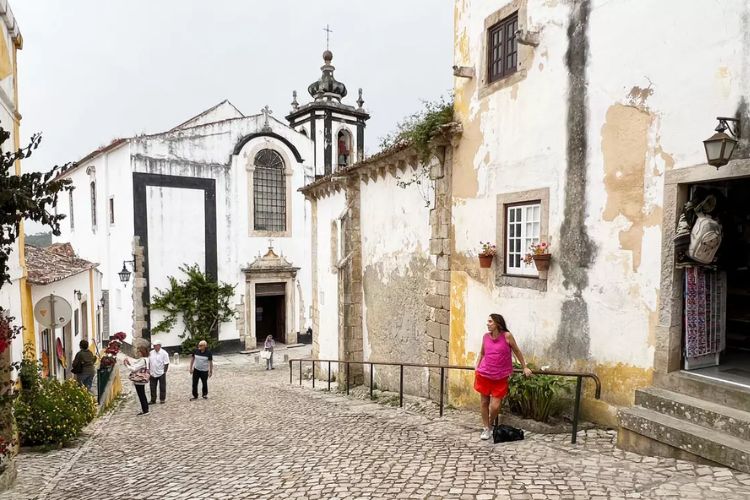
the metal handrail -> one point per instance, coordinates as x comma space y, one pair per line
579, 376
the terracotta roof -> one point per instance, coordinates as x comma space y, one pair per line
54, 263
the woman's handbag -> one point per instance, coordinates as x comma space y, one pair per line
141, 376
266, 354
505, 433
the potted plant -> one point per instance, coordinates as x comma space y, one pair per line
539, 255
486, 254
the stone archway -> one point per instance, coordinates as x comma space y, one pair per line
270, 276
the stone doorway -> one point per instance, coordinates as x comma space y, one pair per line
270, 312
270, 285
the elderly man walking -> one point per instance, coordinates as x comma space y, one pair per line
158, 361
201, 367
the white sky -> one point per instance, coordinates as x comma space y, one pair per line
94, 70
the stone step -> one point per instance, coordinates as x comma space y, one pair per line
697, 411
709, 444
722, 392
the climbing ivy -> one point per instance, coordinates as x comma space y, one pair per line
202, 303
418, 130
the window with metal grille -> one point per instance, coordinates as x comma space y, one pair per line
523, 223
70, 211
269, 192
502, 49
93, 205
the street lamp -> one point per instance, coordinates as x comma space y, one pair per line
720, 146
124, 273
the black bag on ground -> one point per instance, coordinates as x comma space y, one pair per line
505, 433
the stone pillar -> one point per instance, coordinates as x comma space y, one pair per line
350, 287
140, 290
438, 298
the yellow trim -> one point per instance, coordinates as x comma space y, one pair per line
27, 314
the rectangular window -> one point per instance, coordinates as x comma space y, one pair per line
70, 211
523, 223
76, 329
111, 209
502, 48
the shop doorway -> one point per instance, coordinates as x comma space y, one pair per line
270, 313
716, 323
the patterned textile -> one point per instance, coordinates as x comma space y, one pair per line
705, 311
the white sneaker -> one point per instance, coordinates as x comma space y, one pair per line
485, 435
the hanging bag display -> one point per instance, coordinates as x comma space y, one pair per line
705, 239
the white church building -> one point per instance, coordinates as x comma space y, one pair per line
217, 190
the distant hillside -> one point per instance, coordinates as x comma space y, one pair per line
39, 239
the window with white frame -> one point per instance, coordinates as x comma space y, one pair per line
269, 192
93, 204
522, 228
70, 210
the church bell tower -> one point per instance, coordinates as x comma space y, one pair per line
336, 129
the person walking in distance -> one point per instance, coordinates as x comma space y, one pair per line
139, 375
268, 346
202, 367
494, 366
83, 366
159, 364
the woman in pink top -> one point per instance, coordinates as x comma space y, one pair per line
494, 366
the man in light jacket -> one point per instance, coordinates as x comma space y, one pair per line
159, 364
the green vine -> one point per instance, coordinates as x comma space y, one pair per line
418, 130
202, 303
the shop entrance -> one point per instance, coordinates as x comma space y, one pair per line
716, 323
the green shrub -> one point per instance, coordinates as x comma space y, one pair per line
53, 412
539, 396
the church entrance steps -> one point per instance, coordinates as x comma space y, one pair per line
670, 424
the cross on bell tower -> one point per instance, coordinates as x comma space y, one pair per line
328, 31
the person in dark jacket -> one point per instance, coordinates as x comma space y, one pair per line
84, 365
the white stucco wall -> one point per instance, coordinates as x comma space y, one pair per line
329, 209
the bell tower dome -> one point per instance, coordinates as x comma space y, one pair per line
336, 129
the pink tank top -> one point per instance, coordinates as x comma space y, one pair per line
497, 362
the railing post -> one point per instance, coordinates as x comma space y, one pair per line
576, 410
347, 378
442, 388
291, 372
300, 372
401, 386
329, 376
371, 368
313, 374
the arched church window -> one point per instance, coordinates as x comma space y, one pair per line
344, 141
269, 192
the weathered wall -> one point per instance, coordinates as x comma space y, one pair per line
595, 121
325, 256
396, 265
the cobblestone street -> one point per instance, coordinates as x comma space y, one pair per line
258, 437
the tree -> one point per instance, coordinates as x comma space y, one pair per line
29, 196
202, 303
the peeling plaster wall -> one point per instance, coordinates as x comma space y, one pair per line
396, 268
600, 138
329, 208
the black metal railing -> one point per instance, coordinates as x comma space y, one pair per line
579, 376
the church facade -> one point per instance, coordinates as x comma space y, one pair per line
221, 191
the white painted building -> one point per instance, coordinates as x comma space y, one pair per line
217, 191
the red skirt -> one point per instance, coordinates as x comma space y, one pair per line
489, 387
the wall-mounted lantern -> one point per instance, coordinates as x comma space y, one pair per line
720, 146
78, 294
124, 273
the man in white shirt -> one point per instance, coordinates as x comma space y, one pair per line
158, 361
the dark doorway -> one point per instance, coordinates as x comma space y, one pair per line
270, 311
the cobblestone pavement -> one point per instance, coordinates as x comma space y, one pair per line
258, 437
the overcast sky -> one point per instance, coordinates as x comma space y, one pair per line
92, 70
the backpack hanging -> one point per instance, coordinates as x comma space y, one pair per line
705, 239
